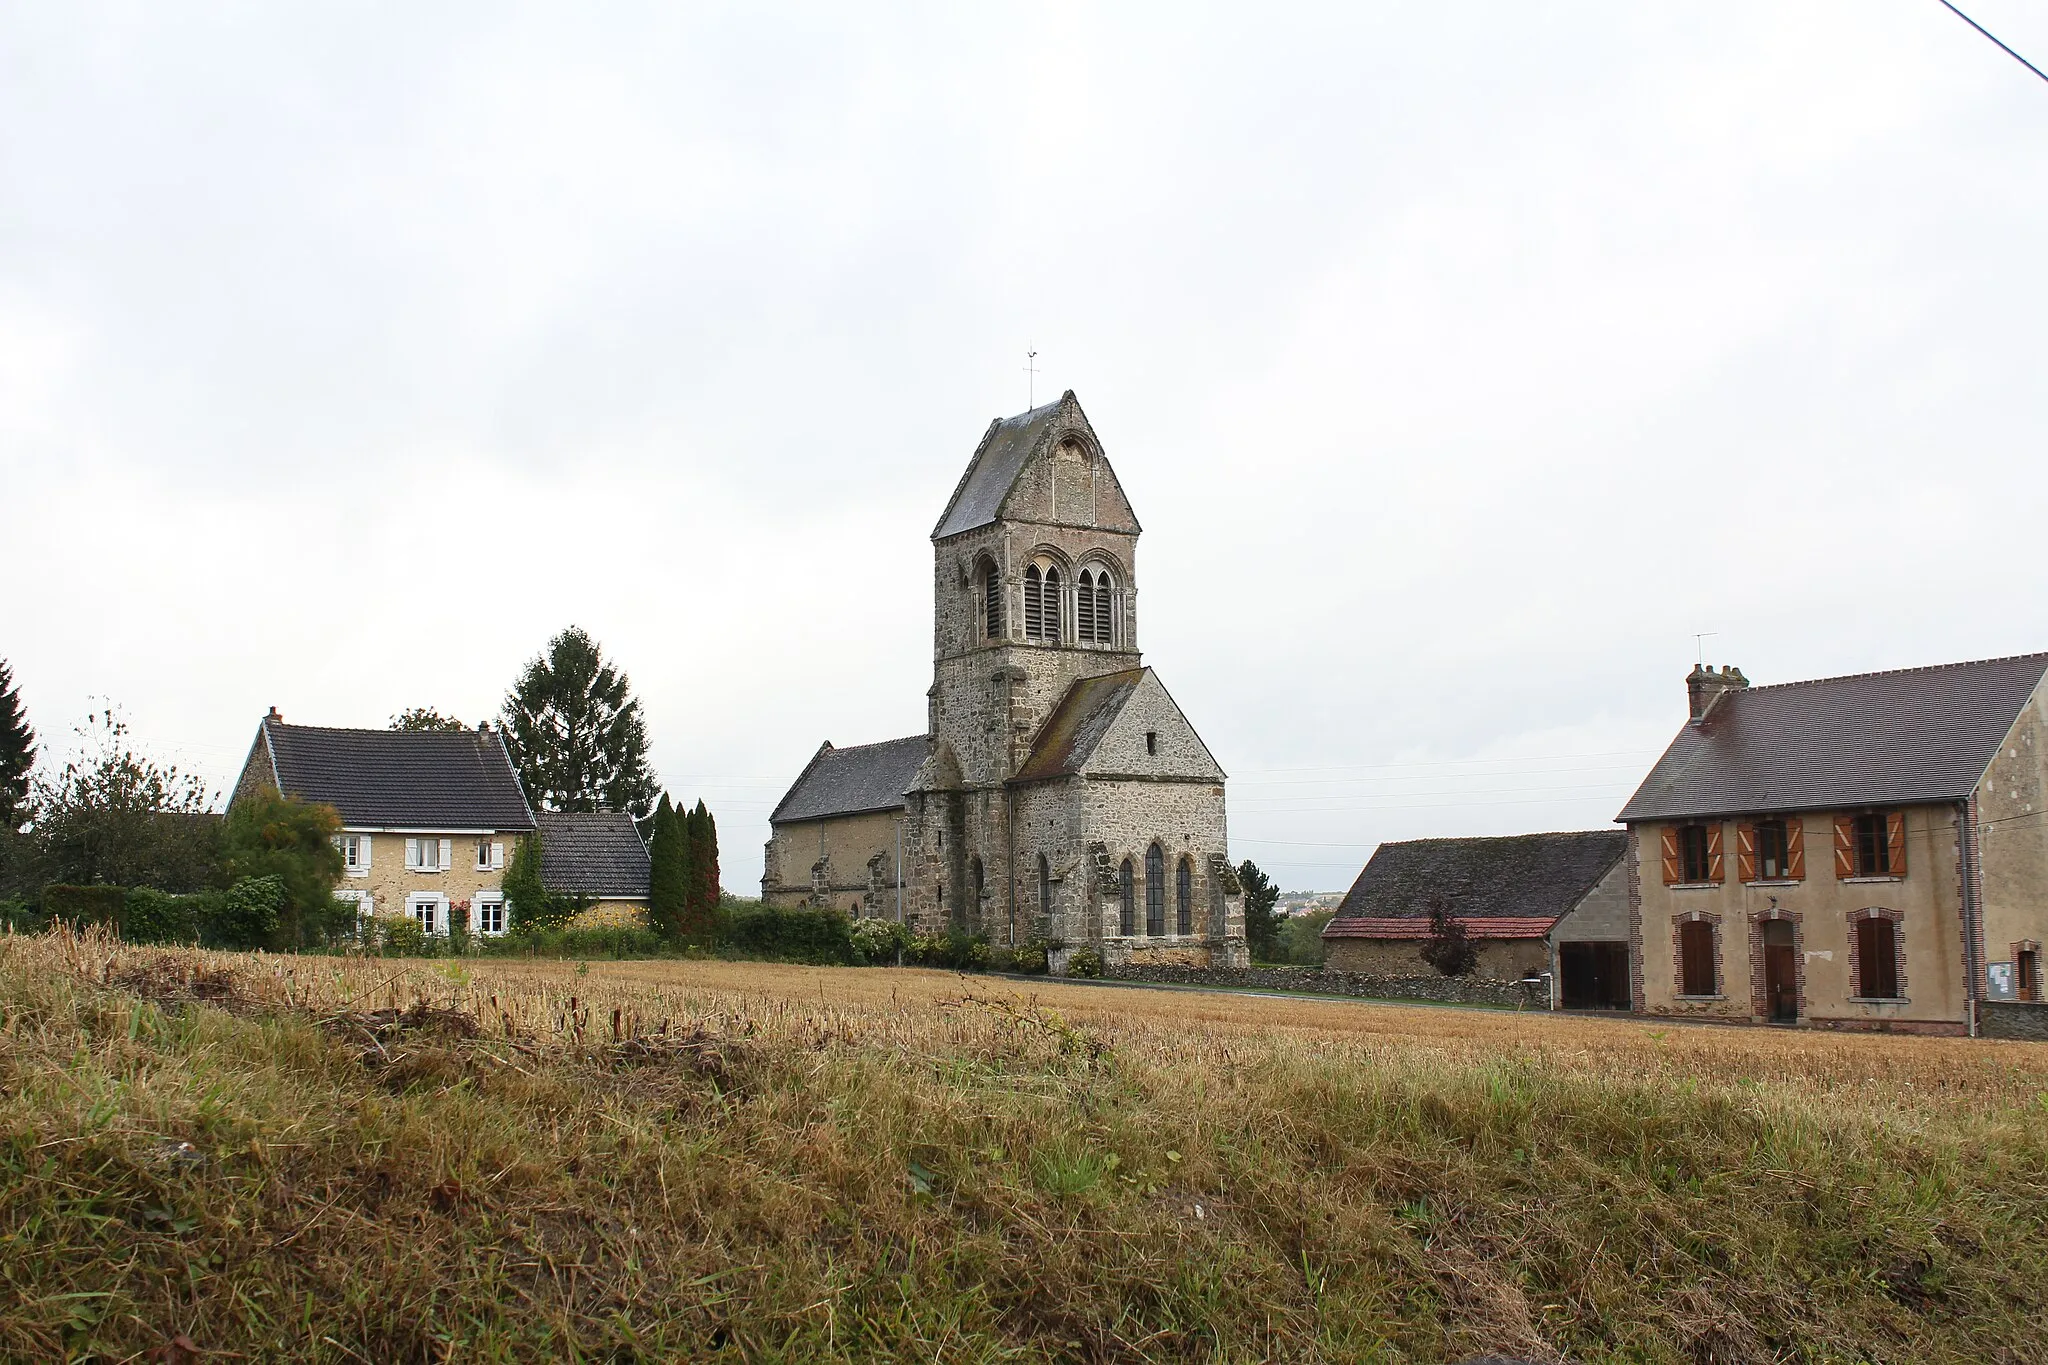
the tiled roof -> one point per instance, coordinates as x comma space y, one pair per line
865, 777
1518, 879
597, 854
1871, 739
1078, 724
1498, 926
401, 779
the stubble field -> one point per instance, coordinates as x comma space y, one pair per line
330, 1159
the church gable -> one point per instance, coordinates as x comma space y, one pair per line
1150, 737
1045, 466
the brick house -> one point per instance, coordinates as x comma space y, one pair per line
1531, 904
1058, 790
428, 817
1857, 852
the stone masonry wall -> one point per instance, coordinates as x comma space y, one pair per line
2012, 1019
1441, 989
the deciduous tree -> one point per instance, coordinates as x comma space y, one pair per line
269, 835
1448, 949
114, 816
424, 718
576, 734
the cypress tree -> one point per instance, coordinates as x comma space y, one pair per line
17, 753
703, 840
668, 887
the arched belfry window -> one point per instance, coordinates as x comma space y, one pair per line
1127, 907
1184, 897
1042, 604
991, 601
1094, 596
1155, 890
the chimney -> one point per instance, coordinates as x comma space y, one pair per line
275, 717
1706, 685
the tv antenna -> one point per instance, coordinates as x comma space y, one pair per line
1699, 641
1030, 378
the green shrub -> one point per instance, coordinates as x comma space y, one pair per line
153, 916
949, 952
19, 917
1034, 958
403, 938
1085, 963
544, 941
82, 905
877, 942
245, 915
771, 932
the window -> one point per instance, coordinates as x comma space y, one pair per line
1184, 897
490, 915
991, 601
423, 855
974, 870
1127, 909
1693, 861
1871, 845
1042, 604
1696, 958
483, 855
355, 853
1151, 741
1877, 958
1092, 620
1044, 886
1770, 851
426, 912
1155, 890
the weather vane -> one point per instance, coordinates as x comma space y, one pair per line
1030, 378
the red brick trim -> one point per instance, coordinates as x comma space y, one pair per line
1898, 919
1678, 951
1759, 999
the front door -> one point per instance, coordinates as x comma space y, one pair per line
1781, 972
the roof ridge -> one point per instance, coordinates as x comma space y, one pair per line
851, 748
1754, 688
367, 729
1478, 838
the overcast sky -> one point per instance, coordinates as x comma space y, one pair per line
1462, 362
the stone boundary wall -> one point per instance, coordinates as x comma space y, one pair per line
1441, 989
2012, 1019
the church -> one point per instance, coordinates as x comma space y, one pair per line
1058, 791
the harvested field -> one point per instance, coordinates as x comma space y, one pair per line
329, 1159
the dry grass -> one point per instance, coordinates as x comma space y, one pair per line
323, 1159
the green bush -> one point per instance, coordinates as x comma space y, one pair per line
403, 938
1085, 963
543, 941
949, 952
1034, 958
770, 932
19, 917
153, 916
877, 942
82, 905
246, 915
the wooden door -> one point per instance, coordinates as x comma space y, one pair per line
1781, 973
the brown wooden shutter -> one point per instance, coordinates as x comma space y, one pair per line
1895, 842
1795, 848
1714, 851
1845, 846
1668, 836
1745, 851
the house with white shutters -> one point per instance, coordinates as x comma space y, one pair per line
429, 817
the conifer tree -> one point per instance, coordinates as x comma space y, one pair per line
17, 754
668, 887
576, 733
703, 873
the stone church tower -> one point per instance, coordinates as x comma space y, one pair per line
1058, 792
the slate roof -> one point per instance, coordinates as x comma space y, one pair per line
997, 462
401, 779
1497, 887
1077, 725
597, 854
863, 777
1870, 739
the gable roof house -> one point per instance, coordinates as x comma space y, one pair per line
598, 858
1531, 904
427, 816
1867, 851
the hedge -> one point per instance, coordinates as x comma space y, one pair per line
81, 905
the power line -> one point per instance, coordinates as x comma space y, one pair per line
1994, 38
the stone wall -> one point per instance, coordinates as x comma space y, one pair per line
1442, 989
1500, 959
2012, 1019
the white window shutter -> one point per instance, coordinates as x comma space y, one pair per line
447, 852
412, 855
497, 857
363, 842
